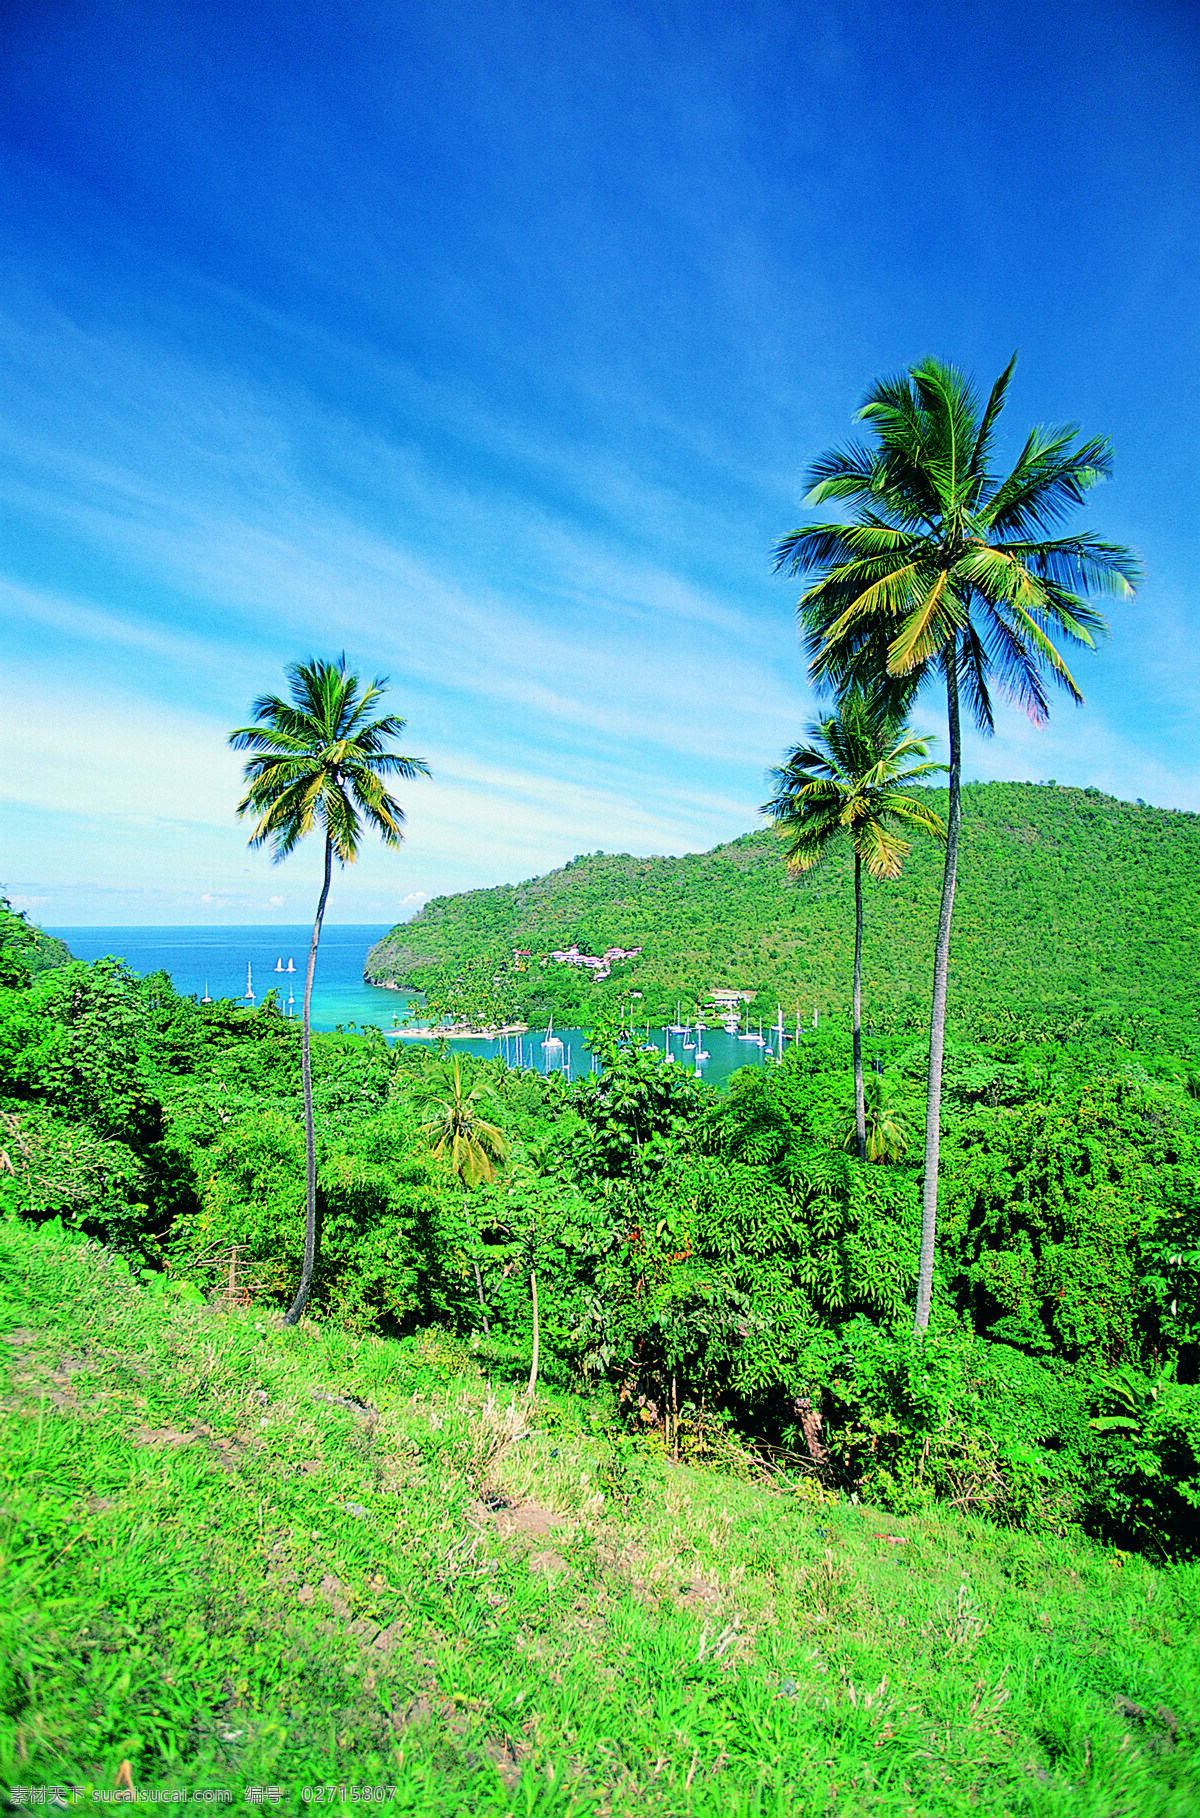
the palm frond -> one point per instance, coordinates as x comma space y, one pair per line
1080, 562
892, 596
881, 851
837, 545
927, 627
914, 813
972, 667
1051, 479
951, 411
981, 453
1010, 662
840, 473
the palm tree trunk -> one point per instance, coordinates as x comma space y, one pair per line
537, 1335
475, 1266
860, 1109
482, 1302
310, 1144
937, 1020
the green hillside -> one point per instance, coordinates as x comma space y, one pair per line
1074, 911
26, 946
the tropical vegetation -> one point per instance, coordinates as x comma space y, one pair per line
708, 1260
294, 1568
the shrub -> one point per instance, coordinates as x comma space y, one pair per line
912, 1419
1143, 1476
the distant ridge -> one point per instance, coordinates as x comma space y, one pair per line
1074, 911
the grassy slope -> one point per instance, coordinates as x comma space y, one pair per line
1069, 902
238, 1556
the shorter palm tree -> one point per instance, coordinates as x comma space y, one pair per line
453, 1122
886, 1127
319, 760
850, 779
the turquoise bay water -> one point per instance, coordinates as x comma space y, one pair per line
214, 960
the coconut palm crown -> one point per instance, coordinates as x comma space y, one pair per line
849, 779
318, 760
948, 568
453, 1120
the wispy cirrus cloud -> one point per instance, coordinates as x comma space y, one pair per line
622, 651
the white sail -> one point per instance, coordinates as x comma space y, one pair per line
552, 1047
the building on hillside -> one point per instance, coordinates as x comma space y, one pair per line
599, 966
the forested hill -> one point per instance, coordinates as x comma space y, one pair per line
22, 942
1074, 911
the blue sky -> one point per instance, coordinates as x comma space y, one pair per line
490, 343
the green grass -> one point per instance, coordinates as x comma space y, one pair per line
236, 1556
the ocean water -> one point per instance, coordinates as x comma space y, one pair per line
215, 961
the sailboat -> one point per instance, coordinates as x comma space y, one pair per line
701, 1050
676, 1027
552, 1047
206, 999
279, 964
745, 1035
291, 966
291, 1006
759, 1037
689, 1041
249, 985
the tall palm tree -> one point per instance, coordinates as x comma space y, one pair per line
459, 1132
948, 570
849, 779
320, 760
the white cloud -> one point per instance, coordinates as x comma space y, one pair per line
65, 747
203, 488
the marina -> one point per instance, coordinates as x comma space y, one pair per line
210, 963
